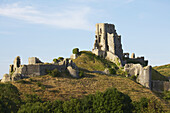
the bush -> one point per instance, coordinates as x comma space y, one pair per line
54, 73
60, 58
133, 77
75, 51
9, 98
147, 106
33, 108
31, 98
81, 73
166, 95
55, 60
120, 72
112, 71
112, 100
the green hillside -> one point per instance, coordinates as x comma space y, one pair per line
45, 93
164, 70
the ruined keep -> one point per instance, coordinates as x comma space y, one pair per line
108, 45
107, 42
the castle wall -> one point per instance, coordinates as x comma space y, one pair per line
143, 73
106, 41
160, 85
37, 69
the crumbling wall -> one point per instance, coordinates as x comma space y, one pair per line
34, 60
107, 42
143, 74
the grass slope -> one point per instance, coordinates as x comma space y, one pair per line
164, 70
64, 88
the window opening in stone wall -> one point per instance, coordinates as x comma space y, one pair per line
100, 30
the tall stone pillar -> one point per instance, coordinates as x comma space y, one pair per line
17, 63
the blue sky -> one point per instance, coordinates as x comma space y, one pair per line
48, 29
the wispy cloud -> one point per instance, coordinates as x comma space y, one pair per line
71, 18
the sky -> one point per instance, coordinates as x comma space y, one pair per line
48, 29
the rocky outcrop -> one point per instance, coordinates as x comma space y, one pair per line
73, 72
73, 56
6, 78
143, 74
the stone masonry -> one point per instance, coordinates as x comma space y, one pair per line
108, 45
37, 68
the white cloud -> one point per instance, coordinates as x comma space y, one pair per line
71, 18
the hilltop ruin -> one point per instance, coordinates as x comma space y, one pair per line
108, 45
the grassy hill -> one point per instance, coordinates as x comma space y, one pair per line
47, 88
164, 70
64, 88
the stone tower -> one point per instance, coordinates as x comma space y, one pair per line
107, 42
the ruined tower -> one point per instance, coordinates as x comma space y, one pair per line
107, 42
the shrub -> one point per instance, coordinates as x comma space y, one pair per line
31, 98
60, 58
55, 60
133, 77
9, 98
81, 73
72, 106
112, 100
75, 51
120, 72
166, 95
54, 73
147, 106
112, 71
33, 108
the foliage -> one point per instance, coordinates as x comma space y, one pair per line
9, 98
81, 74
120, 72
110, 100
166, 95
55, 60
54, 73
133, 77
60, 58
112, 71
76, 51
31, 98
33, 108
147, 106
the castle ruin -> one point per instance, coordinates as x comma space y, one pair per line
37, 68
108, 45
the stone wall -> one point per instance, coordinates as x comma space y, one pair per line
143, 74
107, 40
160, 85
